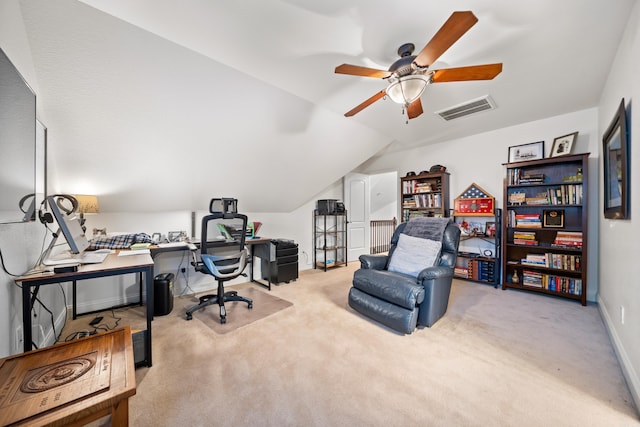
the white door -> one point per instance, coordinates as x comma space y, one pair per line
356, 201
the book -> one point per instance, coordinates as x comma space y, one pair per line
139, 246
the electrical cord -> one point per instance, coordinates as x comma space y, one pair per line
53, 326
64, 298
185, 275
4, 267
102, 327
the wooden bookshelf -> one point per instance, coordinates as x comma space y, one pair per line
426, 194
545, 226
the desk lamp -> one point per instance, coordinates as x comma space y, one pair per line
87, 204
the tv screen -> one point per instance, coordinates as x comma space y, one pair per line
17, 144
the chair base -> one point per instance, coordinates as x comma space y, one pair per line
220, 298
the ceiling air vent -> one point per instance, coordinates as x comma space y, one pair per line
467, 108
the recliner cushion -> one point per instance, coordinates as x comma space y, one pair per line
399, 289
414, 254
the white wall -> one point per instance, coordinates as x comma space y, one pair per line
619, 286
479, 159
20, 243
383, 197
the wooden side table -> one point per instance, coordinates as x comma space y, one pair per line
72, 383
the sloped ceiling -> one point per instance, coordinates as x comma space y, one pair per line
161, 105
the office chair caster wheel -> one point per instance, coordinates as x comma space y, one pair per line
250, 305
189, 317
223, 320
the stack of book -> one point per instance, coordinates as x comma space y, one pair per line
532, 278
540, 199
516, 177
462, 272
422, 187
408, 203
528, 221
531, 178
534, 259
568, 238
525, 238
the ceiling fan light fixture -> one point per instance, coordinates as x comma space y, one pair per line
405, 90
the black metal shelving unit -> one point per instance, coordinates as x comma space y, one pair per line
482, 267
329, 239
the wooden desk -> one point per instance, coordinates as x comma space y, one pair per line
72, 383
113, 265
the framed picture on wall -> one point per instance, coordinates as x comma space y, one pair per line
616, 166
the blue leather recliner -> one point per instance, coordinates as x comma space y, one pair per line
401, 301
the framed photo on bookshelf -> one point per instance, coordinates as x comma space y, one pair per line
530, 151
553, 218
616, 166
562, 145
490, 229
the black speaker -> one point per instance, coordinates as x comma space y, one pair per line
163, 294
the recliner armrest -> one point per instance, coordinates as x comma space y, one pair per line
435, 272
373, 262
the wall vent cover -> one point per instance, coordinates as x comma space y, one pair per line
467, 108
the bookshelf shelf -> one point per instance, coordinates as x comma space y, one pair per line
545, 228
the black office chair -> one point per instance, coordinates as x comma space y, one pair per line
222, 255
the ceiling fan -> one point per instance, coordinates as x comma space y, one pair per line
409, 76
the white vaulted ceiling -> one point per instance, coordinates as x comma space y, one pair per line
163, 104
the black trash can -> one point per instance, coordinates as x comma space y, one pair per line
163, 294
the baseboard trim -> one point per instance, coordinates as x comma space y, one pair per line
628, 370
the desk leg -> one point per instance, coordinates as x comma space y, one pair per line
140, 289
26, 317
149, 284
251, 279
252, 259
74, 302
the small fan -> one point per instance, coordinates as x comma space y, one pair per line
410, 74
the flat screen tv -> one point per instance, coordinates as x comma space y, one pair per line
17, 145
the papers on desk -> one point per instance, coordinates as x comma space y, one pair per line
172, 245
134, 252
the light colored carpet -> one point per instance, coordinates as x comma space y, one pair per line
497, 358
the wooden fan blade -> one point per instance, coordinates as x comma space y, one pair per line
366, 103
356, 70
414, 109
474, 72
455, 27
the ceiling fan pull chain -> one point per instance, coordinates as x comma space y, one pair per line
406, 122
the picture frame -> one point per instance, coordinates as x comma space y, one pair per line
523, 152
553, 218
616, 166
490, 229
517, 198
562, 145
